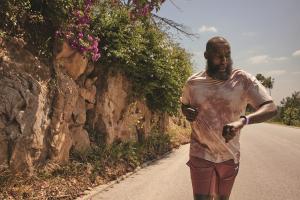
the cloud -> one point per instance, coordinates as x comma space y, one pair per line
280, 58
264, 59
260, 59
275, 72
296, 53
204, 28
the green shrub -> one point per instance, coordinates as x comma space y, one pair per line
289, 111
156, 66
35, 21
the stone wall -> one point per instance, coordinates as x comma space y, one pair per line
47, 110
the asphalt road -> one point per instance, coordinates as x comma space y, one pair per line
270, 164
269, 170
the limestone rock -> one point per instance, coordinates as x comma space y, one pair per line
45, 113
89, 91
66, 95
117, 116
80, 139
23, 119
38, 113
74, 62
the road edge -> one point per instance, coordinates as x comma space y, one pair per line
88, 194
284, 125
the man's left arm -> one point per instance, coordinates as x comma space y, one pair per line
265, 112
258, 98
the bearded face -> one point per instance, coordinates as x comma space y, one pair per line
219, 62
217, 71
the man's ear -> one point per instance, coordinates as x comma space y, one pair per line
205, 55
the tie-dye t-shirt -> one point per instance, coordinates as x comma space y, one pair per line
219, 103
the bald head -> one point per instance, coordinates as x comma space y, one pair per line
214, 43
218, 56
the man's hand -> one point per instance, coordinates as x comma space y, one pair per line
189, 112
230, 130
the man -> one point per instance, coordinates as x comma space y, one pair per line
214, 101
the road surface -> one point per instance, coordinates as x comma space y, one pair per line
269, 169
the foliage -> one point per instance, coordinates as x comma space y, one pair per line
77, 31
35, 21
290, 109
143, 7
101, 164
157, 67
268, 82
130, 152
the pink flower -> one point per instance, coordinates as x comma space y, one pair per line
96, 56
88, 2
95, 44
82, 49
95, 50
84, 20
76, 32
145, 10
78, 13
80, 35
90, 38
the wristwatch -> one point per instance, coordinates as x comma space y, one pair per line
246, 119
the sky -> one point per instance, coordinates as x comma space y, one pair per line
264, 36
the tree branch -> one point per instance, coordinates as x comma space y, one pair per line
179, 27
175, 5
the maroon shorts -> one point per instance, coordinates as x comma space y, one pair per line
209, 178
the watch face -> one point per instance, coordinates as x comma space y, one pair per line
246, 119
191, 109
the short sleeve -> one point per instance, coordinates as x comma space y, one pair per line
256, 93
185, 96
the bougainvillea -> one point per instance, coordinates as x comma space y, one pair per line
143, 8
77, 32
156, 66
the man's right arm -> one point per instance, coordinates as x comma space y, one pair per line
189, 112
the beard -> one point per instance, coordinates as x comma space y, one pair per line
213, 71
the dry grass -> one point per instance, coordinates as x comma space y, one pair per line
100, 166
180, 131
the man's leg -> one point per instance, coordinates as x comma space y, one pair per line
226, 174
209, 197
203, 197
203, 177
221, 198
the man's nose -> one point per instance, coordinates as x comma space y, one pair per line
224, 59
